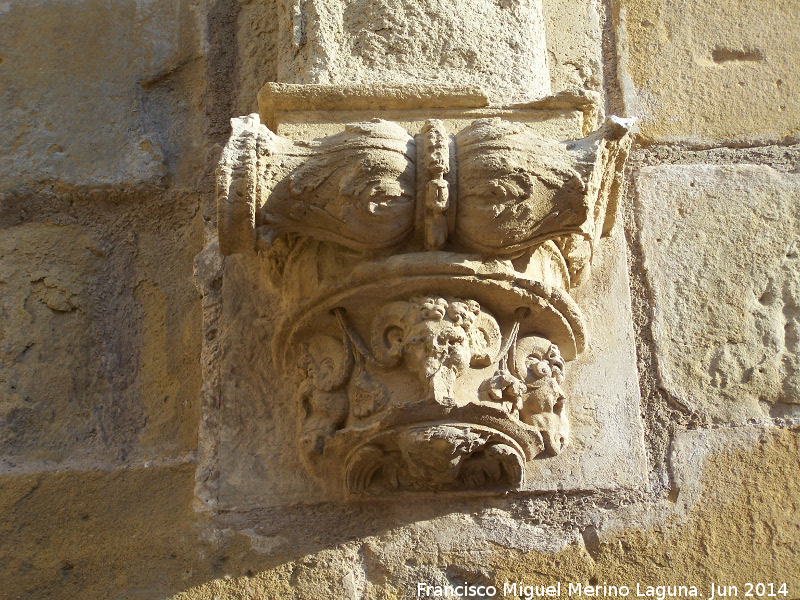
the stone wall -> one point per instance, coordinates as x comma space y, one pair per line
113, 345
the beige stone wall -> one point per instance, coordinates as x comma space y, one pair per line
114, 115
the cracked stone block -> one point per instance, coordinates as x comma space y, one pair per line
695, 71
721, 255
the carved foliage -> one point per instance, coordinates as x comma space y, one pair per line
514, 187
355, 189
516, 190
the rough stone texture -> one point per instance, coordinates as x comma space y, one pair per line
721, 252
257, 27
97, 92
745, 517
130, 534
573, 34
49, 378
98, 337
497, 45
99, 535
696, 70
111, 105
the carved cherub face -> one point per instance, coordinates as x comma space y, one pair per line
437, 338
433, 344
543, 376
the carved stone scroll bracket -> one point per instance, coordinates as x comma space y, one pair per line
425, 283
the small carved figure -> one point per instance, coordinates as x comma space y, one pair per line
325, 366
541, 368
437, 190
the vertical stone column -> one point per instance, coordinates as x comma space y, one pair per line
499, 46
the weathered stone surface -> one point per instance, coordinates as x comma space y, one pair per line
105, 343
721, 252
96, 92
131, 534
49, 357
744, 513
690, 451
100, 535
98, 345
697, 71
741, 491
573, 36
499, 46
168, 336
424, 319
257, 37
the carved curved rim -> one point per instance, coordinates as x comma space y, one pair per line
488, 415
494, 284
368, 457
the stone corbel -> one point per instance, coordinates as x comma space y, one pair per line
425, 282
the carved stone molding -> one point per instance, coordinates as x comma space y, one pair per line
425, 286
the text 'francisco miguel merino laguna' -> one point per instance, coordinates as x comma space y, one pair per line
660, 592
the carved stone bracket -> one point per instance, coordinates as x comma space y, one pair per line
425, 282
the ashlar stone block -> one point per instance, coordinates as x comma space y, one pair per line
47, 354
699, 70
98, 347
500, 46
721, 254
573, 36
96, 92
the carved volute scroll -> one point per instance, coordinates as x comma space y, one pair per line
355, 188
427, 316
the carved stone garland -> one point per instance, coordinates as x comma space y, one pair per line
428, 331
